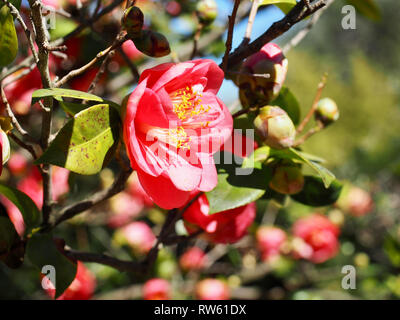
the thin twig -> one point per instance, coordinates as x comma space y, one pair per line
120, 265
317, 97
298, 13
309, 133
254, 8
79, 207
196, 39
303, 32
43, 66
14, 120
231, 25
23, 145
101, 55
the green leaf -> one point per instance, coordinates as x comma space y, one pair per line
288, 102
41, 251
72, 108
285, 7
234, 190
26, 206
315, 194
85, 143
256, 159
267, 2
7, 234
293, 154
8, 37
367, 8
66, 93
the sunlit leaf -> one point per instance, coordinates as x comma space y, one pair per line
83, 144
8, 37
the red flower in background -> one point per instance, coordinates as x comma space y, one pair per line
31, 184
174, 123
82, 288
317, 238
222, 227
270, 240
212, 289
193, 259
156, 289
138, 235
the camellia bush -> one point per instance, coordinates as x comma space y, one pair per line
123, 173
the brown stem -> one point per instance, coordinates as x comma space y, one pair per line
298, 13
228, 45
310, 113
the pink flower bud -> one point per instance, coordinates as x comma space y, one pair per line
327, 111
207, 11
276, 128
212, 289
270, 241
138, 235
287, 179
156, 289
193, 259
262, 75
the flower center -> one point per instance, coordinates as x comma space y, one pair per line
187, 104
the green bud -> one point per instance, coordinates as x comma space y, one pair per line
153, 44
327, 111
275, 127
287, 179
206, 11
132, 21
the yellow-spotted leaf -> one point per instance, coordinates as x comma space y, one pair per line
84, 145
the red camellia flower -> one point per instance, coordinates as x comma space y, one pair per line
174, 122
193, 259
317, 238
212, 289
82, 288
270, 240
222, 227
156, 289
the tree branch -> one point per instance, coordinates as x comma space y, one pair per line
77, 208
298, 13
231, 25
